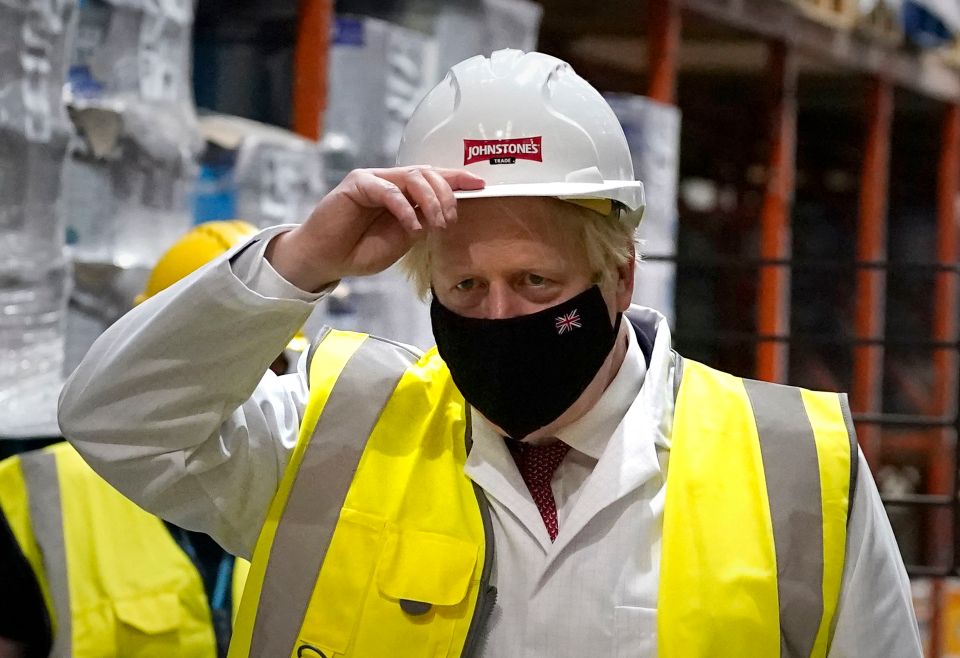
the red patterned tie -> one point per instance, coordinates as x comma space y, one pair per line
537, 464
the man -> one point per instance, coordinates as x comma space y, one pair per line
552, 480
85, 572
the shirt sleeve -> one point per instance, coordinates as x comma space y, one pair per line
175, 404
255, 271
875, 616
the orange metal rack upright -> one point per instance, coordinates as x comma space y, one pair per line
775, 234
315, 21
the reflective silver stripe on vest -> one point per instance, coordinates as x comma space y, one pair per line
854, 452
46, 516
789, 453
320, 486
677, 375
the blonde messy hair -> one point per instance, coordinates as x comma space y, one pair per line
609, 242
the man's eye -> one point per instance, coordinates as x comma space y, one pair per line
466, 285
535, 280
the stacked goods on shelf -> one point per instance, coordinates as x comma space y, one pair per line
36, 38
934, 25
833, 13
269, 175
132, 167
464, 29
378, 73
880, 21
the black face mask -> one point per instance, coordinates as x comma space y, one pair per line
522, 373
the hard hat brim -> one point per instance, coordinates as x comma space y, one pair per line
627, 193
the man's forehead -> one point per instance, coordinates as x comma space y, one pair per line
507, 229
537, 218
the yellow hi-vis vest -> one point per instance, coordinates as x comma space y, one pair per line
377, 543
114, 580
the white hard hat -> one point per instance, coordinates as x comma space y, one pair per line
529, 126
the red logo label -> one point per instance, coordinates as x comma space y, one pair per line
502, 151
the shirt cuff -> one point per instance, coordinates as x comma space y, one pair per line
251, 267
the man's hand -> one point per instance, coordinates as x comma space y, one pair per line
367, 222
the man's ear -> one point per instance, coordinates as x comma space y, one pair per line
624, 288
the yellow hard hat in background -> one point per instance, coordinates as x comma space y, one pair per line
198, 247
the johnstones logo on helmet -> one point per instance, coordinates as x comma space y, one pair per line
502, 151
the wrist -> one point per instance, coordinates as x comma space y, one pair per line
290, 257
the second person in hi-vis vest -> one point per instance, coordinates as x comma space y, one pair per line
551, 479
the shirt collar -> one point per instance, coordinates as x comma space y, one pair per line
591, 432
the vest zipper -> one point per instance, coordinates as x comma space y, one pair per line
487, 597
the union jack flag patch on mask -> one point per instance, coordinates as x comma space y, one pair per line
568, 321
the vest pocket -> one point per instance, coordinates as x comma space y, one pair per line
423, 580
426, 567
148, 625
383, 591
131, 627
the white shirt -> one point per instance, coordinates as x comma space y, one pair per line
173, 407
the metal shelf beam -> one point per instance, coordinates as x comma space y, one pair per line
925, 73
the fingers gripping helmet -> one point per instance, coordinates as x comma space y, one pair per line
529, 126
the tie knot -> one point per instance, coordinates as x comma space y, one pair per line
538, 463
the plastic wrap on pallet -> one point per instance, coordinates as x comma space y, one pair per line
379, 72
122, 214
34, 275
273, 175
34, 284
653, 134
465, 29
132, 60
35, 41
277, 181
512, 24
134, 49
128, 192
132, 170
